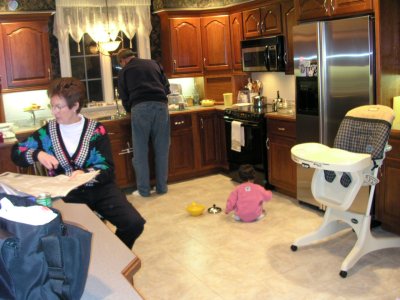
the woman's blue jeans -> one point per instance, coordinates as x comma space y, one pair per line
150, 120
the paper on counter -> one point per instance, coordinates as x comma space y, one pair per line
58, 186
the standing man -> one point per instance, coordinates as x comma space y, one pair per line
143, 89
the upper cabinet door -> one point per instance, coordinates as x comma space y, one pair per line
216, 43
344, 7
251, 23
311, 9
289, 20
235, 21
320, 9
271, 23
264, 21
186, 45
26, 53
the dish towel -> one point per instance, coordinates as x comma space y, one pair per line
237, 136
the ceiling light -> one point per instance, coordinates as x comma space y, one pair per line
109, 46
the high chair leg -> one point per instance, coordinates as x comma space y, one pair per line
365, 244
329, 226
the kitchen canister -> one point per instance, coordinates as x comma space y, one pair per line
227, 99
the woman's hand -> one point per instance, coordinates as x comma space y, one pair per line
47, 160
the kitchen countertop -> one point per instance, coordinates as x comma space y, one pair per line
190, 109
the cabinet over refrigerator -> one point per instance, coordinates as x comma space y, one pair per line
334, 69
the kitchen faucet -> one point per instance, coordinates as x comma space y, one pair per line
119, 114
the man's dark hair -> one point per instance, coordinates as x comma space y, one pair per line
124, 53
247, 172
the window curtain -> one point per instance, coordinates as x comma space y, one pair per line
76, 17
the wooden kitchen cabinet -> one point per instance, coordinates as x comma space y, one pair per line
289, 20
236, 26
216, 43
221, 140
119, 132
387, 204
264, 21
181, 153
281, 137
186, 50
25, 48
317, 9
6, 165
208, 130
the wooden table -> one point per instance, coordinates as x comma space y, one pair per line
112, 264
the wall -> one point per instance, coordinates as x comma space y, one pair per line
273, 82
169, 4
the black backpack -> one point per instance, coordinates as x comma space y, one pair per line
49, 261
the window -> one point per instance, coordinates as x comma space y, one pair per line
86, 65
87, 20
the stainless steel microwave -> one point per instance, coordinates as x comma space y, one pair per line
263, 55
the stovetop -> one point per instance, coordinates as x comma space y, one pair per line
248, 112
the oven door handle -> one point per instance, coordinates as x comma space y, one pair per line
244, 123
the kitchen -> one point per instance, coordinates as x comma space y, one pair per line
215, 83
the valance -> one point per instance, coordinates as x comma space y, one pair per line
76, 17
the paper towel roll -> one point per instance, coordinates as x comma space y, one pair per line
396, 108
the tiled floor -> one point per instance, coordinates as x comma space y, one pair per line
214, 257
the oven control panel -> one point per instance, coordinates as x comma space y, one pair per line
243, 115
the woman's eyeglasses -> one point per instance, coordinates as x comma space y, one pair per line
57, 107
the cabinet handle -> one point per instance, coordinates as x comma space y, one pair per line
174, 64
258, 27
262, 27
179, 122
281, 128
49, 72
332, 6
110, 133
204, 61
267, 143
285, 58
326, 8
127, 150
202, 123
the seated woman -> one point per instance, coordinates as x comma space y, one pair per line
72, 144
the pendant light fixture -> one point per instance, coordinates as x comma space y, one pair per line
110, 45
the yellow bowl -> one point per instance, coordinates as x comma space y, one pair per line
207, 102
195, 209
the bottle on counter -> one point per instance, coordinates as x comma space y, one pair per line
279, 100
196, 96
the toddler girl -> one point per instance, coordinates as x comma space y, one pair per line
247, 198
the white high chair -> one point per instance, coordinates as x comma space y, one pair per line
340, 172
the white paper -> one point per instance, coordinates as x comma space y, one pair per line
33, 215
58, 186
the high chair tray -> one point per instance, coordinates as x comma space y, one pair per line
319, 156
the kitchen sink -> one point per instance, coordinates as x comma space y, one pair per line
110, 117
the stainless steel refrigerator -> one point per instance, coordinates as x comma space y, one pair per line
334, 69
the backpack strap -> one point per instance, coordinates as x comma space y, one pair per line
52, 250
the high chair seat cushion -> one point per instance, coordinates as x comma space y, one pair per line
319, 156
